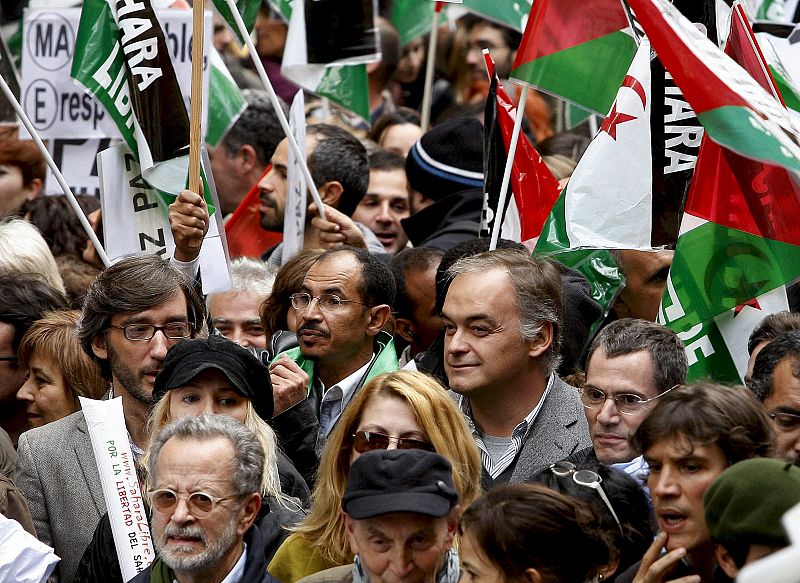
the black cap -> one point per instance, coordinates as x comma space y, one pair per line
188, 358
399, 480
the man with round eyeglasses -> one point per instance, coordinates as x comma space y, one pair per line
341, 309
206, 476
630, 365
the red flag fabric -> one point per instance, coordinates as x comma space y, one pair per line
243, 230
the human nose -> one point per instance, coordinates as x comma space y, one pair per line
663, 484
181, 513
239, 337
266, 183
159, 345
25, 392
312, 311
385, 214
609, 414
401, 561
473, 55
455, 344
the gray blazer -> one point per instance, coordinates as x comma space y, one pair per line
57, 472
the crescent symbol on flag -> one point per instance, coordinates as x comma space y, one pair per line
637, 87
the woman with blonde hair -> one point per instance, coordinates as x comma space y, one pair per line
59, 371
403, 410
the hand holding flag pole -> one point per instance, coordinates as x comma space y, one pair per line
425, 121
497, 226
195, 123
276, 106
76, 208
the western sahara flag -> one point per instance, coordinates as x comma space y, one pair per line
576, 50
248, 10
225, 101
735, 111
534, 188
739, 243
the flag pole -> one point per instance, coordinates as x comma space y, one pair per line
512, 148
429, 69
195, 122
273, 97
76, 208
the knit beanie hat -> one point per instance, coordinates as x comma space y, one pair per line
447, 159
746, 502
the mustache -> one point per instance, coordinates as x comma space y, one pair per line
312, 327
186, 532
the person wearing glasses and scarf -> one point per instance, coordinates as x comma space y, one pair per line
401, 410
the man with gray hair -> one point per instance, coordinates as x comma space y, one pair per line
206, 474
502, 321
235, 313
631, 363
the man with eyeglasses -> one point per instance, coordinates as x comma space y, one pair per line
132, 314
776, 383
341, 309
630, 364
206, 475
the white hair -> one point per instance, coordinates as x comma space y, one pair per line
24, 250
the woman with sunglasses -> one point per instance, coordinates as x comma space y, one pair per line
404, 410
526, 533
621, 503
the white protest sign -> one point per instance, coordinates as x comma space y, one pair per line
60, 108
121, 489
294, 215
137, 217
76, 159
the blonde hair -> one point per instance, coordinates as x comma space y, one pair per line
54, 337
270, 481
437, 415
23, 249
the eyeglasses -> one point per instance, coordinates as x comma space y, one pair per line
586, 478
626, 403
173, 330
200, 504
364, 441
326, 302
785, 421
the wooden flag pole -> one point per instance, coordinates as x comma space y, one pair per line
196, 116
76, 208
512, 149
276, 106
430, 68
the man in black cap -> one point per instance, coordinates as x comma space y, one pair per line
400, 513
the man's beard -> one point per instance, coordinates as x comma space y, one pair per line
129, 379
213, 551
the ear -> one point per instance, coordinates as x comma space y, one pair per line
608, 571
248, 513
725, 561
249, 157
452, 524
404, 328
542, 342
99, 346
34, 188
378, 315
349, 529
533, 576
331, 192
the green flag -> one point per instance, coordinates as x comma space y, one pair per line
225, 100
510, 13
248, 9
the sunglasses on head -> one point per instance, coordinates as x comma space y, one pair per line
364, 441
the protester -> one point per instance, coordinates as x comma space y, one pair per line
397, 131
406, 501
645, 277
133, 313
402, 410
623, 508
243, 153
417, 320
445, 178
24, 298
235, 313
214, 376
59, 371
502, 322
341, 310
77, 276
215, 464
630, 364
22, 171
277, 313
386, 201
744, 517
526, 532
380, 73
776, 384
57, 222
767, 330
23, 250
692, 434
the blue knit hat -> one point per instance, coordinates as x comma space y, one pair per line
447, 159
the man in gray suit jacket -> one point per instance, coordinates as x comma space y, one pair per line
133, 313
502, 321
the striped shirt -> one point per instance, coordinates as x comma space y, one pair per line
497, 467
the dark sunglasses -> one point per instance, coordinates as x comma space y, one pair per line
364, 441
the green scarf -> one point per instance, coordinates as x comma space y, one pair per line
160, 573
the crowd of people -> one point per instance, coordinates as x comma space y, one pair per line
395, 403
